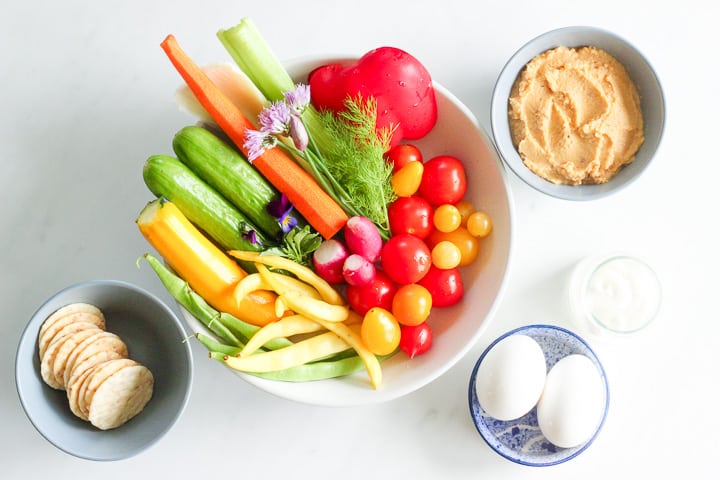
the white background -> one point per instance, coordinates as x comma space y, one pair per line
87, 95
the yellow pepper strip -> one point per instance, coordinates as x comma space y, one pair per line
206, 268
285, 327
250, 283
299, 353
313, 308
372, 364
280, 283
326, 291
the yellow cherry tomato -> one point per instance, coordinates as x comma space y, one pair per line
469, 246
479, 224
411, 304
406, 181
446, 255
446, 218
466, 209
380, 331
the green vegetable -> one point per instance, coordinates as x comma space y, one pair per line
169, 178
228, 172
298, 245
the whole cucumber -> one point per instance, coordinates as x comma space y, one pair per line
228, 172
167, 177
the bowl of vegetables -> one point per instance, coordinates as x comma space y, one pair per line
364, 296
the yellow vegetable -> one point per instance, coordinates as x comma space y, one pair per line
299, 353
280, 283
326, 291
285, 327
314, 309
206, 268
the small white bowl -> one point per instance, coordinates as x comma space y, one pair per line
521, 440
155, 337
652, 104
456, 328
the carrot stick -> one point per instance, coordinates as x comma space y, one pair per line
313, 203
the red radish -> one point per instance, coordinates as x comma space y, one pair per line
358, 271
362, 237
328, 260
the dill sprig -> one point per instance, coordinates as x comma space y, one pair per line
355, 158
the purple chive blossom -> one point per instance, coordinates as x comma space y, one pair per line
298, 133
275, 119
256, 142
298, 99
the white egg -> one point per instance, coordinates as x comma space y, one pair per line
511, 377
572, 404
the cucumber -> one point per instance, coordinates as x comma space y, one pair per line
167, 177
228, 172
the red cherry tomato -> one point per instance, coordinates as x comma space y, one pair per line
405, 258
401, 155
443, 181
413, 215
415, 339
378, 293
445, 286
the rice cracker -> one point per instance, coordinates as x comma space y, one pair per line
121, 397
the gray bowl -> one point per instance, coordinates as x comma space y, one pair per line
641, 72
154, 336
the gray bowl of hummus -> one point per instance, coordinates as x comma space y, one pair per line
577, 113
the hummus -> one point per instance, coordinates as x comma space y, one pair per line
575, 116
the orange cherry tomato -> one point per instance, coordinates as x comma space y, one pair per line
446, 218
466, 209
380, 331
469, 246
411, 304
446, 255
479, 224
405, 182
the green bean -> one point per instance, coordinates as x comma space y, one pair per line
214, 346
192, 302
246, 331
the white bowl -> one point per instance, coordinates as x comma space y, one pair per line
456, 328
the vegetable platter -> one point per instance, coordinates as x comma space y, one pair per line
343, 352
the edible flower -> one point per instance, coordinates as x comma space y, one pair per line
281, 209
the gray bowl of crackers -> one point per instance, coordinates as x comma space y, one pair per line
578, 113
103, 370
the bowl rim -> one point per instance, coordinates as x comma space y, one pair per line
305, 63
498, 118
472, 396
28, 336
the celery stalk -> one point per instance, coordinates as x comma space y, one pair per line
253, 55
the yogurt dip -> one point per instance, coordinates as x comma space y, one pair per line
575, 116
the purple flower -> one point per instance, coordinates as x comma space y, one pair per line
256, 142
251, 236
281, 209
298, 133
298, 99
275, 119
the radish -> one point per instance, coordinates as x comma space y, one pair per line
358, 271
363, 238
328, 260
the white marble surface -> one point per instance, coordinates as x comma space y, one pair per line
87, 96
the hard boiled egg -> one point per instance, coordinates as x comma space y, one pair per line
511, 377
572, 403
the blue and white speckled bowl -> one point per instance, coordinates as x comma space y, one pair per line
521, 440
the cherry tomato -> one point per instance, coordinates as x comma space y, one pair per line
406, 181
411, 215
411, 304
479, 224
466, 209
445, 286
447, 217
469, 246
443, 180
380, 331
446, 255
401, 155
378, 293
405, 258
415, 339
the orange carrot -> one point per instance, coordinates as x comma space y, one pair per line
313, 203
